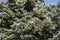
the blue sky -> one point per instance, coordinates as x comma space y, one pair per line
4, 0
47, 2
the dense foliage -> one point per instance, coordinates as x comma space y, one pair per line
29, 20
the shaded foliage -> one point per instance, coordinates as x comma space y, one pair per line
22, 20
